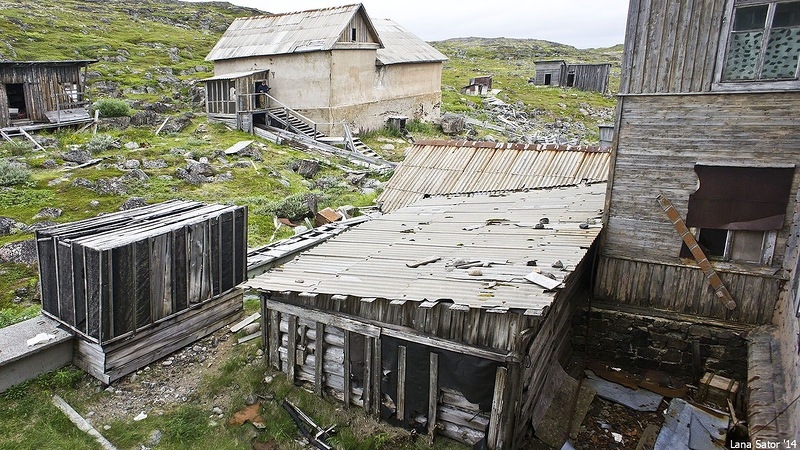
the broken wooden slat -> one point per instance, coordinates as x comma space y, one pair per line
713, 278
30, 138
346, 386
292, 348
163, 124
81, 423
498, 404
245, 322
249, 337
319, 355
366, 395
422, 262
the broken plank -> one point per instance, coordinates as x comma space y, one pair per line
422, 262
543, 281
639, 400
237, 147
245, 322
163, 124
81, 423
249, 337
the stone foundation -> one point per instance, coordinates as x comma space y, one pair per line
681, 346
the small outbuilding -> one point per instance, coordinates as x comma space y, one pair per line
50, 92
586, 77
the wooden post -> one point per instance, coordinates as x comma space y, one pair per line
367, 394
433, 395
346, 387
495, 425
265, 328
377, 374
319, 355
401, 383
291, 348
274, 337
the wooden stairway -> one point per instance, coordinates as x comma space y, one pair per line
291, 122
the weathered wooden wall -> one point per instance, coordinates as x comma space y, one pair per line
470, 326
42, 85
364, 32
671, 45
591, 77
556, 70
660, 140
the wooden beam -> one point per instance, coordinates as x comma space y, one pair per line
326, 318
30, 138
274, 336
401, 383
433, 395
266, 323
319, 356
291, 346
346, 387
713, 278
367, 394
377, 375
495, 422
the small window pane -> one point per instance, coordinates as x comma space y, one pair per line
787, 15
742, 59
780, 60
712, 241
751, 18
747, 246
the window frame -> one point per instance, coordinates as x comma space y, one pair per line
724, 43
768, 243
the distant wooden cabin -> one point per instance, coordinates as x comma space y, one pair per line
709, 109
586, 77
42, 92
424, 316
331, 65
478, 86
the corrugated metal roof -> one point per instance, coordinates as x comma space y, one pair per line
462, 167
234, 75
277, 34
370, 260
402, 46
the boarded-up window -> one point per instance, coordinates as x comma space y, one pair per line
736, 211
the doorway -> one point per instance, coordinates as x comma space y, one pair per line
15, 92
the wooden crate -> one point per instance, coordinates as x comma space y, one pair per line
112, 276
717, 390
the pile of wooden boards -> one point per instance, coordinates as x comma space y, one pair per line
120, 277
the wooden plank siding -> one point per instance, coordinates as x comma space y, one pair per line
43, 87
660, 140
591, 77
670, 46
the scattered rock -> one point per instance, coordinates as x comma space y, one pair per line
452, 124
252, 153
200, 168
217, 410
252, 328
7, 225
83, 182
139, 417
387, 147
131, 145
49, 164
114, 123
146, 118
155, 438
131, 163
132, 203
77, 156
241, 165
94, 204
154, 164
251, 399
227, 176
308, 168
22, 252
111, 186
178, 123
135, 175
48, 212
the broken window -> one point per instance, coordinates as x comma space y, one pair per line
736, 212
764, 42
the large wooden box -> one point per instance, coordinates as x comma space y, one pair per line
116, 275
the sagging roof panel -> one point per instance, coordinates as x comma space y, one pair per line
371, 260
463, 167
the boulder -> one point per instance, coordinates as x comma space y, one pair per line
22, 252
48, 212
452, 124
7, 225
77, 156
132, 203
308, 168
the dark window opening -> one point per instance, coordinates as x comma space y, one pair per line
571, 80
16, 100
712, 241
353, 34
548, 78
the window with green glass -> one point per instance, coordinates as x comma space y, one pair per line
764, 42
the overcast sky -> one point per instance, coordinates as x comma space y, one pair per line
581, 23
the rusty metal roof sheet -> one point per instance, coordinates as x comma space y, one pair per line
295, 32
370, 260
402, 46
462, 167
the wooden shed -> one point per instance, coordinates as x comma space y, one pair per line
586, 77
43, 92
137, 285
441, 316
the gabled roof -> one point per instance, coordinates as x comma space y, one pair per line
463, 167
296, 32
68, 62
402, 46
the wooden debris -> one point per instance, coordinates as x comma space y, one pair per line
237, 147
249, 337
248, 414
81, 423
245, 322
314, 434
327, 216
163, 125
91, 162
639, 400
422, 262
543, 281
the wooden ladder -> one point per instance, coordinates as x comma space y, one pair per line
713, 278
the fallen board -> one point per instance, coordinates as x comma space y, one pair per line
639, 399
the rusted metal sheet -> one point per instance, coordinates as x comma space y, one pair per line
463, 167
